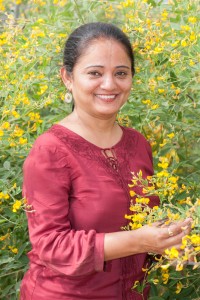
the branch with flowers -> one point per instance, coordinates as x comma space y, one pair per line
177, 202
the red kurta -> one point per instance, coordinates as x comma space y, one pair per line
77, 194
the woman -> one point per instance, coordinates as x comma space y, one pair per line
76, 181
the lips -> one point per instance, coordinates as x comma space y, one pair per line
106, 97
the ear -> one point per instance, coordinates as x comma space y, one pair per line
66, 78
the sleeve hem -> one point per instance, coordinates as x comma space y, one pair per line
99, 252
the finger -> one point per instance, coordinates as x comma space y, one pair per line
177, 228
160, 222
176, 240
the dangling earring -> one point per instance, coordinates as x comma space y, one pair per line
68, 97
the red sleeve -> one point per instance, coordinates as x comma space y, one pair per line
46, 187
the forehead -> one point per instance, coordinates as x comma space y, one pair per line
104, 50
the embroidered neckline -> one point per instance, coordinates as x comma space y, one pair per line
118, 168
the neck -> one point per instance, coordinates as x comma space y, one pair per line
103, 132
94, 123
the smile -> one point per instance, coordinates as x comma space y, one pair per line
106, 97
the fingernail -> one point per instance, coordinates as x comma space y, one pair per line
184, 227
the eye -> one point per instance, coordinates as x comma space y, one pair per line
94, 73
121, 74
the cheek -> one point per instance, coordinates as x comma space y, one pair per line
86, 86
127, 87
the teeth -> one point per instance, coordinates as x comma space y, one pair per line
106, 96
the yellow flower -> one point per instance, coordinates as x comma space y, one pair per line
173, 179
4, 196
164, 15
179, 266
17, 131
43, 89
129, 217
13, 249
1, 133
191, 63
156, 207
158, 50
192, 37
22, 141
165, 273
163, 165
175, 44
172, 253
135, 284
195, 239
142, 200
35, 117
162, 173
161, 91
184, 43
179, 287
171, 135
165, 267
17, 205
185, 27
155, 281
132, 193
4, 237
155, 106
192, 20
148, 101
15, 114
6, 125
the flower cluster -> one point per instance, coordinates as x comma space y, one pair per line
165, 184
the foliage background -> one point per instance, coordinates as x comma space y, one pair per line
164, 104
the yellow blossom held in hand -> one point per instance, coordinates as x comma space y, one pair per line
165, 267
155, 281
142, 200
179, 266
172, 253
132, 193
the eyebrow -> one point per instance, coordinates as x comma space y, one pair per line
99, 66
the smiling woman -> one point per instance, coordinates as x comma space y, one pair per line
100, 82
76, 182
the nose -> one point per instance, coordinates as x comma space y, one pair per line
108, 82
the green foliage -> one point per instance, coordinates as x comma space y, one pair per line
164, 103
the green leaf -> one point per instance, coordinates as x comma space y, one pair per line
6, 165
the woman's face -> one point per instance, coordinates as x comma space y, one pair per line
101, 79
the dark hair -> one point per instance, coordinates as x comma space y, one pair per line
81, 37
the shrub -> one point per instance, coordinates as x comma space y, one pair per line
163, 105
